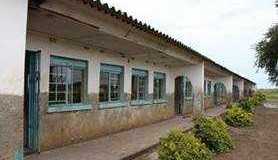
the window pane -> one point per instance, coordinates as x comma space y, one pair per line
142, 88
161, 88
115, 87
209, 88
139, 84
66, 83
188, 89
61, 97
205, 87
134, 87
52, 96
156, 89
52, 87
76, 85
104, 87
159, 85
61, 87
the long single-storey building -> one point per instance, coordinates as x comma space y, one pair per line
74, 70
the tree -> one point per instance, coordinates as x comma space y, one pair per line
267, 54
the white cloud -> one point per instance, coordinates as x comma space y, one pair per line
224, 30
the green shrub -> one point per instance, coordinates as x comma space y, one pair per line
237, 117
259, 97
247, 104
214, 133
183, 146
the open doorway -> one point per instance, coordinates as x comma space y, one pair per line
31, 101
179, 94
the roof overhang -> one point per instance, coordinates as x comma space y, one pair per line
135, 26
57, 26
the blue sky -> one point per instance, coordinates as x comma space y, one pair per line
224, 30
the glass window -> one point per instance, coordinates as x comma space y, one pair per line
188, 88
111, 83
139, 84
67, 81
205, 87
209, 88
159, 86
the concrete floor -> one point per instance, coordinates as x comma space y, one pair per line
121, 145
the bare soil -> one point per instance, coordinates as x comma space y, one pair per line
259, 142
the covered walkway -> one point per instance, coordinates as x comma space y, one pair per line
121, 145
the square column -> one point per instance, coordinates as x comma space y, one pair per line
13, 14
196, 75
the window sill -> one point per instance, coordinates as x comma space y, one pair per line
68, 108
140, 102
111, 105
159, 101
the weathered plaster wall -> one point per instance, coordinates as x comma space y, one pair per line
196, 75
240, 85
13, 14
208, 99
228, 82
59, 129
248, 87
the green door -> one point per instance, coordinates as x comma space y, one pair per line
179, 95
31, 109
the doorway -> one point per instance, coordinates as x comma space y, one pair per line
235, 93
220, 93
31, 101
179, 94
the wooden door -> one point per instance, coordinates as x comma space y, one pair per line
31, 97
179, 94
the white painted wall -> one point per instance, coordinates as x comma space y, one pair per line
36, 41
195, 74
240, 84
228, 82
13, 15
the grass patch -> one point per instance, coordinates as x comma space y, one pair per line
271, 94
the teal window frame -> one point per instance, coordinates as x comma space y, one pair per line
112, 70
188, 89
220, 91
141, 78
209, 88
69, 65
205, 87
158, 78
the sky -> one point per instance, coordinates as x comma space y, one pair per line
224, 30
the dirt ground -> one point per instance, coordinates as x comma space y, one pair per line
259, 142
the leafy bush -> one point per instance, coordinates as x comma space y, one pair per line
259, 97
183, 146
237, 117
214, 133
247, 104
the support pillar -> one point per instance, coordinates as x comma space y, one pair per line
13, 14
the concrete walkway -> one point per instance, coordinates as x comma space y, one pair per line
121, 145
